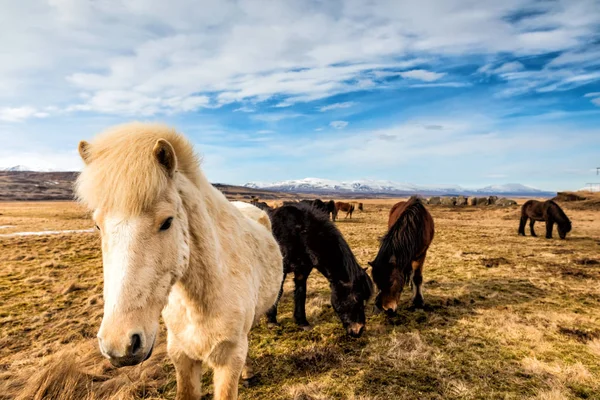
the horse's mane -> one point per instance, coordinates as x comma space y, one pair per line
559, 216
122, 171
403, 240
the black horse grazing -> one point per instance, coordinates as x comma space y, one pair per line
402, 254
309, 240
328, 208
547, 211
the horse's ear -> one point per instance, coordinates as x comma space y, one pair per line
84, 151
165, 155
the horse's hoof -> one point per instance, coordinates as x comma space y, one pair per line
272, 325
306, 328
250, 382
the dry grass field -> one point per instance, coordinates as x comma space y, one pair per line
507, 317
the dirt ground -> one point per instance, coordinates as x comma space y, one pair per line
508, 317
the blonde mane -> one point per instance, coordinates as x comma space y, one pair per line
121, 170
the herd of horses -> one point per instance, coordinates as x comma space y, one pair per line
173, 244
331, 207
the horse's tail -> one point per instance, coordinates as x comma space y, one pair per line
405, 238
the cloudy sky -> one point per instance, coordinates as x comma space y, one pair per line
428, 92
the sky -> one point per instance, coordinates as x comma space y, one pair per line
451, 92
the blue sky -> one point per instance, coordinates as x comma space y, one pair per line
429, 92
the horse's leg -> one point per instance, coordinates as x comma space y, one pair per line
187, 371
417, 282
300, 277
228, 361
549, 226
522, 225
531, 223
272, 312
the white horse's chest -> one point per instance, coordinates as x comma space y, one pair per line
197, 333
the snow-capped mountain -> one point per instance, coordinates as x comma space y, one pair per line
317, 185
17, 168
509, 188
24, 168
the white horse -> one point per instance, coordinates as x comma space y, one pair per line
171, 242
254, 213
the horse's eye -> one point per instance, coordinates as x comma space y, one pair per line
167, 224
97, 227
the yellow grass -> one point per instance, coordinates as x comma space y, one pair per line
508, 318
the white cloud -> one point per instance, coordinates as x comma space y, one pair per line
153, 58
336, 106
16, 114
43, 161
509, 67
245, 109
596, 101
592, 94
275, 117
440, 84
588, 57
422, 75
338, 124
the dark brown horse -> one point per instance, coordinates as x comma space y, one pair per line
547, 211
402, 254
348, 208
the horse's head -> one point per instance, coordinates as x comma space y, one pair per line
564, 227
143, 252
349, 300
390, 282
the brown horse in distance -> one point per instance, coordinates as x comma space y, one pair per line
547, 211
348, 208
402, 254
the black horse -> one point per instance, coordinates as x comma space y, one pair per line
309, 240
547, 211
326, 207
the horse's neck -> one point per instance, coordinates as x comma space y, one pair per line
335, 270
206, 212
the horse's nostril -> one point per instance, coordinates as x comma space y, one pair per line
136, 344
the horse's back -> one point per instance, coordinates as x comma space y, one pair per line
534, 209
254, 213
395, 212
427, 227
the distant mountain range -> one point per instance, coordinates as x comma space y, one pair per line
48, 180
21, 184
24, 168
379, 187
